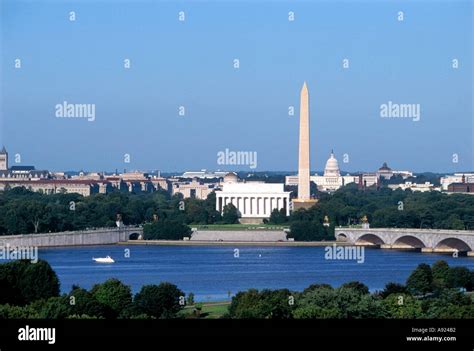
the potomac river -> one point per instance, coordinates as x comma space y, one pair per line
216, 272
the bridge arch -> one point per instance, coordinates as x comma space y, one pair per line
369, 239
341, 237
133, 236
452, 244
408, 242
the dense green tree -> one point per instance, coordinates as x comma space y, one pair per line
166, 230
460, 277
133, 312
343, 302
196, 211
160, 301
22, 282
400, 305
279, 303
230, 214
9, 289
358, 286
202, 211
278, 216
316, 286
83, 302
393, 288
18, 312
113, 294
39, 281
311, 311
190, 300
52, 308
452, 311
309, 231
265, 304
450, 303
420, 281
440, 271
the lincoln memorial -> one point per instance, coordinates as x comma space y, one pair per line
253, 200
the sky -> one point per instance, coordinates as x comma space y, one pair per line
137, 122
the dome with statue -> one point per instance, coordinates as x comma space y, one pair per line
332, 167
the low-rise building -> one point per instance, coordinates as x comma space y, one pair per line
461, 188
424, 187
456, 178
159, 183
88, 176
203, 174
24, 172
193, 189
55, 186
386, 172
365, 180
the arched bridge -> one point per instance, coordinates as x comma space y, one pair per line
428, 240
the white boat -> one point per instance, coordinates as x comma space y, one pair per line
107, 259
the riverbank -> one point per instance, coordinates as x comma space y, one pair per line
233, 243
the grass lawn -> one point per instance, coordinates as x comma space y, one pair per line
211, 310
238, 226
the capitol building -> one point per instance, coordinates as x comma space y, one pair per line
331, 180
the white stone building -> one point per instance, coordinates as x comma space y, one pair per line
204, 174
427, 186
331, 180
387, 173
254, 200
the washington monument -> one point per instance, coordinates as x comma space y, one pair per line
304, 199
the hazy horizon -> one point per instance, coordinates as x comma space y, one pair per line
181, 171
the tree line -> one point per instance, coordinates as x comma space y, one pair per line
429, 292
23, 212
31, 290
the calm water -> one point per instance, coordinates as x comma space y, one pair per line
212, 272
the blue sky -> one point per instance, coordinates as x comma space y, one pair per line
190, 64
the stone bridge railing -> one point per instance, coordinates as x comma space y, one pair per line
100, 236
428, 240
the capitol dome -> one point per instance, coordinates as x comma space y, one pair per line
332, 167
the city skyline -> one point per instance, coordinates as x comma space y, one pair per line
192, 65
222, 169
